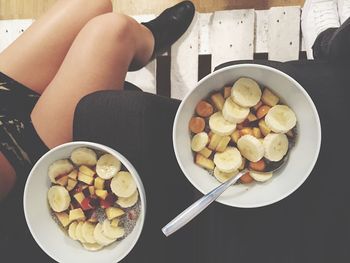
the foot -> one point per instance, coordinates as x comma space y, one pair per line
317, 16
170, 25
344, 10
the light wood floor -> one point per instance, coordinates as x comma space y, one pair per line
10, 9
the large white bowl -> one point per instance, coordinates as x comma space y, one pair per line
302, 157
47, 233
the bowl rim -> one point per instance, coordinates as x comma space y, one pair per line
106, 149
264, 67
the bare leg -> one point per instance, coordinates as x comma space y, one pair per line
7, 176
40, 50
98, 59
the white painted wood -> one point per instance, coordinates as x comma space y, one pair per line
205, 21
284, 33
145, 78
261, 31
232, 36
10, 30
184, 61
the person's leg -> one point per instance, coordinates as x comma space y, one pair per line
40, 50
7, 177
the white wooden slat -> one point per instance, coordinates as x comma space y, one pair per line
284, 33
261, 31
232, 36
205, 21
144, 78
184, 61
10, 30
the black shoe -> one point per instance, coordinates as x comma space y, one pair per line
170, 25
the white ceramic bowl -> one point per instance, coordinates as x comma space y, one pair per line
302, 157
47, 233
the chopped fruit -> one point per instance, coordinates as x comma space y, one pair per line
115, 222
269, 98
86, 170
243, 124
92, 218
223, 144
82, 177
86, 191
258, 166
258, 105
73, 174
79, 197
257, 133
214, 141
251, 117
218, 100
235, 136
71, 184
111, 198
102, 194
243, 164
227, 92
92, 190
204, 162
99, 183
76, 214
265, 130
290, 134
206, 152
262, 111
63, 218
132, 215
104, 204
246, 178
246, 131
113, 212
94, 202
108, 186
62, 180
85, 204
197, 124
204, 109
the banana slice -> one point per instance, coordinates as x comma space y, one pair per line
199, 141
251, 148
223, 177
130, 201
58, 168
108, 166
123, 184
58, 197
112, 232
100, 237
280, 119
87, 231
79, 232
233, 112
220, 126
92, 247
71, 230
84, 156
229, 160
276, 146
260, 176
246, 92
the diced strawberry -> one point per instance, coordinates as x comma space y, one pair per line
104, 203
85, 204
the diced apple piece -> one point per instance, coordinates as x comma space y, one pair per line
204, 162
86, 170
269, 98
73, 174
82, 177
99, 183
76, 214
258, 105
71, 184
206, 152
101, 193
246, 131
257, 133
223, 144
227, 92
115, 222
235, 136
214, 141
251, 117
113, 212
63, 218
92, 190
218, 100
79, 197
265, 130
62, 180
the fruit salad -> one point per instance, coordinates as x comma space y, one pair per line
241, 126
93, 198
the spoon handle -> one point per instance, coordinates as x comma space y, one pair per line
197, 207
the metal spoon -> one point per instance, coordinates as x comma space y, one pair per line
197, 207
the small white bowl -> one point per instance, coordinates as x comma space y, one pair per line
302, 158
52, 240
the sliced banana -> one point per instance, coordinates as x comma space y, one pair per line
246, 92
100, 237
87, 231
123, 184
229, 160
92, 247
84, 156
130, 201
260, 176
58, 168
112, 232
251, 148
280, 119
223, 177
108, 166
233, 112
58, 197
220, 126
79, 232
276, 146
199, 141
71, 230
